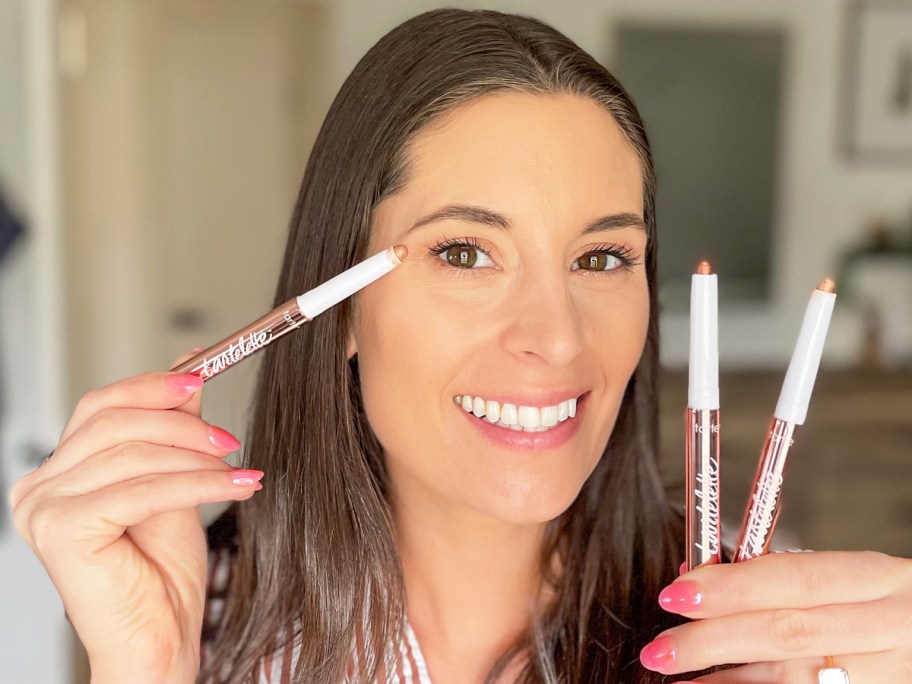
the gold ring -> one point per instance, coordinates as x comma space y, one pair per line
830, 674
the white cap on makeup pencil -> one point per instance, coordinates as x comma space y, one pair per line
703, 377
333, 291
802, 371
290, 315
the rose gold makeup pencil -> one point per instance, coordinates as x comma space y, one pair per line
763, 510
291, 315
701, 422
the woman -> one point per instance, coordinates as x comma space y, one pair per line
403, 518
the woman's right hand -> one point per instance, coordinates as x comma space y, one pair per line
112, 517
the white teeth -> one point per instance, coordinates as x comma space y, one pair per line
549, 416
508, 414
525, 418
529, 417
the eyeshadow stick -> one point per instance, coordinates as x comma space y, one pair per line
701, 422
291, 315
763, 510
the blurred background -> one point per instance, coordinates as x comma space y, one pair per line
150, 153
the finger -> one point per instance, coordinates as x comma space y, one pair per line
785, 580
155, 390
161, 390
149, 390
779, 635
114, 426
122, 463
127, 426
868, 669
194, 405
88, 523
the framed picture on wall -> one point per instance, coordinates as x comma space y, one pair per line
877, 102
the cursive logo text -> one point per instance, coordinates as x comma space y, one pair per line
237, 351
707, 495
764, 504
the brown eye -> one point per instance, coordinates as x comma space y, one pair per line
462, 256
596, 261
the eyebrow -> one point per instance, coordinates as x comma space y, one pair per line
487, 217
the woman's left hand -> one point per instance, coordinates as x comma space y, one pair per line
782, 614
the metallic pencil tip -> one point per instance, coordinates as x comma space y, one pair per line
827, 285
401, 251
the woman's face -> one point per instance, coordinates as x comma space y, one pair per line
524, 290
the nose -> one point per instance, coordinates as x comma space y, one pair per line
543, 324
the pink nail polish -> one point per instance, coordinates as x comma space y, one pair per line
245, 477
223, 439
659, 655
682, 596
683, 568
184, 383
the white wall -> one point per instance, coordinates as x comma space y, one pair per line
823, 202
35, 640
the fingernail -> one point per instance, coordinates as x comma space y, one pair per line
223, 439
246, 477
683, 568
659, 655
682, 596
184, 383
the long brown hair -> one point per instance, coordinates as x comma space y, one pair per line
316, 548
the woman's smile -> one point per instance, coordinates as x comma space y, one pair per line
523, 427
518, 416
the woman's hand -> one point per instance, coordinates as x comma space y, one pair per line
784, 613
112, 518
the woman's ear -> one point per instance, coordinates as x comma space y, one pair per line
351, 347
